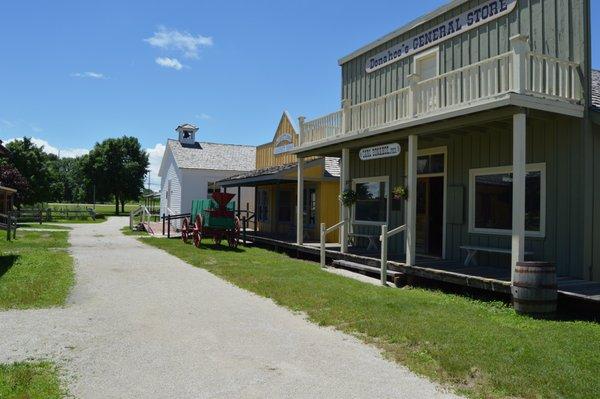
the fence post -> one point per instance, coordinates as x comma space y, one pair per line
346, 121
169, 227
384, 253
8, 227
163, 228
322, 252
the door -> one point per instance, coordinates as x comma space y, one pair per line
431, 183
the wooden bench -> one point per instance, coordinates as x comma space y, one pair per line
473, 249
373, 239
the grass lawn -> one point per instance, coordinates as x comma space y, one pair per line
129, 232
105, 209
481, 349
30, 381
35, 270
43, 226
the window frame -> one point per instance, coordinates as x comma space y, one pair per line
260, 206
374, 179
533, 167
426, 54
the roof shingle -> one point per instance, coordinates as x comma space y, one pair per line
596, 89
214, 156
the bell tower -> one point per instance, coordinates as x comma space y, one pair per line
187, 134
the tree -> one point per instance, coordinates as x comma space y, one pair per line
116, 167
12, 178
32, 162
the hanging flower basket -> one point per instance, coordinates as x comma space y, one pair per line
349, 198
400, 193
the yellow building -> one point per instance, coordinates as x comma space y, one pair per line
275, 183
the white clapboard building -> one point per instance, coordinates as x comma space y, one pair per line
189, 170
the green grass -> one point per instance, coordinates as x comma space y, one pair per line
129, 232
30, 381
105, 209
481, 349
36, 271
43, 226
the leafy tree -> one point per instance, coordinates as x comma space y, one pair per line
12, 178
32, 162
116, 167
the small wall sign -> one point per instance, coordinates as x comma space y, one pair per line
380, 151
283, 144
482, 14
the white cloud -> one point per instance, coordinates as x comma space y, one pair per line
184, 42
63, 152
203, 116
169, 63
155, 156
8, 124
90, 75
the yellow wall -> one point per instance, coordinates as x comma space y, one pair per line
327, 209
265, 156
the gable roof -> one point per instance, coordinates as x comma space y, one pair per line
287, 116
212, 156
596, 89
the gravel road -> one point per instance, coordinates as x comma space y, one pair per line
143, 324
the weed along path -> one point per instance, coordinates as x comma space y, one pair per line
141, 323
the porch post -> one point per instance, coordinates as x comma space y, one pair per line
300, 203
344, 211
239, 202
411, 204
518, 200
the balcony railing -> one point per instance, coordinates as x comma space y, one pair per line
518, 71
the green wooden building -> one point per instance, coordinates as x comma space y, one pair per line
486, 112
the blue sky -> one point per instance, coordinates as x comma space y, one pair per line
76, 72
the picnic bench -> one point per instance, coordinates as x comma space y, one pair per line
373, 239
473, 249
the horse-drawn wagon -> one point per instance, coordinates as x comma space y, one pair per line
212, 217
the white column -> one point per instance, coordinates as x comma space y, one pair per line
520, 46
344, 211
411, 203
518, 200
300, 203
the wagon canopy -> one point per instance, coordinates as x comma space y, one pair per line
206, 208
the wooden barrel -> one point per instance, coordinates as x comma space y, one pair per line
534, 288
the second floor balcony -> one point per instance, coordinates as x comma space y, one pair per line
517, 77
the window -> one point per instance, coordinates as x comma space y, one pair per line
310, 206
262, 206
490, 200
426, 64
285, 207
372, 200
430, 164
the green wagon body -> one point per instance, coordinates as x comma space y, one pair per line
203, 207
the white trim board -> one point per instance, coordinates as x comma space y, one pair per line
374, 179
534, 167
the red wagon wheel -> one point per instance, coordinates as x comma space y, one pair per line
234, 234
185, 228
198, 231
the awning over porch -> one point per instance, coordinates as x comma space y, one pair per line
281, 174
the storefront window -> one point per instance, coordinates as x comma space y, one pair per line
372, 201
491, 200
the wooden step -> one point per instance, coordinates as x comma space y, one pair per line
359, 266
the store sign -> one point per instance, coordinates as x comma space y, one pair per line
380, 151
471, 19
283, 144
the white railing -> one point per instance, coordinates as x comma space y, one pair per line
385, 235
553, 77
142, 211
518, 71
323, 234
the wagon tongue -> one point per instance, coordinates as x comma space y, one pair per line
222, 199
